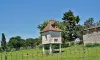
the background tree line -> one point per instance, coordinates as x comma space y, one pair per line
71, 29
17, 43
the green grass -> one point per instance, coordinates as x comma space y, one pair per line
70, 53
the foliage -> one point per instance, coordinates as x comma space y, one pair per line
97, 23
1, 49
92, 44
70, 22
89, 23
15, 42
70, 53
3, 42
30, 42
18, 43
43, 25
8, 49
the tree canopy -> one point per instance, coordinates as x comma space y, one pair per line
70, 21
3, 42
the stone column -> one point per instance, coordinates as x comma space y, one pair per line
50, 48
60, 47
43, 49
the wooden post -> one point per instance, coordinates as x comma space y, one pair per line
50, 48
43, 49
60, 47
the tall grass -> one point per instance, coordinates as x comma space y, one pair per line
69, 53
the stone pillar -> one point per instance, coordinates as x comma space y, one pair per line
50, 48
60, 47
43, 49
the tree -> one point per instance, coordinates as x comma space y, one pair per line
97, 23
15, 42
30, 42
3, 42
89, 23
70, 21
43, 25
79, 31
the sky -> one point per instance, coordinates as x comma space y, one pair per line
21, 17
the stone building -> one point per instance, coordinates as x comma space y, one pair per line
91, 35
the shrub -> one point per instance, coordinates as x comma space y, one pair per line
97, 44
21, 48
13, 49
47, 53
8, 49
89, 45
72, 43
92, 44
65, 45
1, 49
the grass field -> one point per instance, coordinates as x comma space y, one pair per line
70, 53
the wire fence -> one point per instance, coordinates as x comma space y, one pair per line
70, 53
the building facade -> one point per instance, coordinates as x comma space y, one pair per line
91, 35
51, 34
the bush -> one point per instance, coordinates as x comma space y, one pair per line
79, 42
13, 49
65, 45
92, 44
8, 49
72, 43
89, 45
21, 48
1, 49
97, 44
47, 53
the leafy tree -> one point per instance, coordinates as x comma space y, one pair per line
97, 23
89, 23
62, 26
70, 21
43, 25
30, 42
15, 42
3, 42
79, 31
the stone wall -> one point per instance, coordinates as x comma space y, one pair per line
91, 36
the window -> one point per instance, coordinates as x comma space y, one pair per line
55, 40
46, 37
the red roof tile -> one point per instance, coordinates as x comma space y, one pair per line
51, 27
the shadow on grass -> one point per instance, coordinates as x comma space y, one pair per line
57, 51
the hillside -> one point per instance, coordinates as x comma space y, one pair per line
70, 53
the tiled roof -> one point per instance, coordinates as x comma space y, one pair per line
92, 28
51, 27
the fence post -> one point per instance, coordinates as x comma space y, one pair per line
37, 56
1, 56
57, 56
22, 56
27, 56
32, 55
11, 56
84, 58
6, 56
16, 56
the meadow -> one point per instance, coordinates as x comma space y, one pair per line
69, 53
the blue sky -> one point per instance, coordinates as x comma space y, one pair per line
21, 17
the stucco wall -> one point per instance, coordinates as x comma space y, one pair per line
45, 38
91, 37
51, 37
